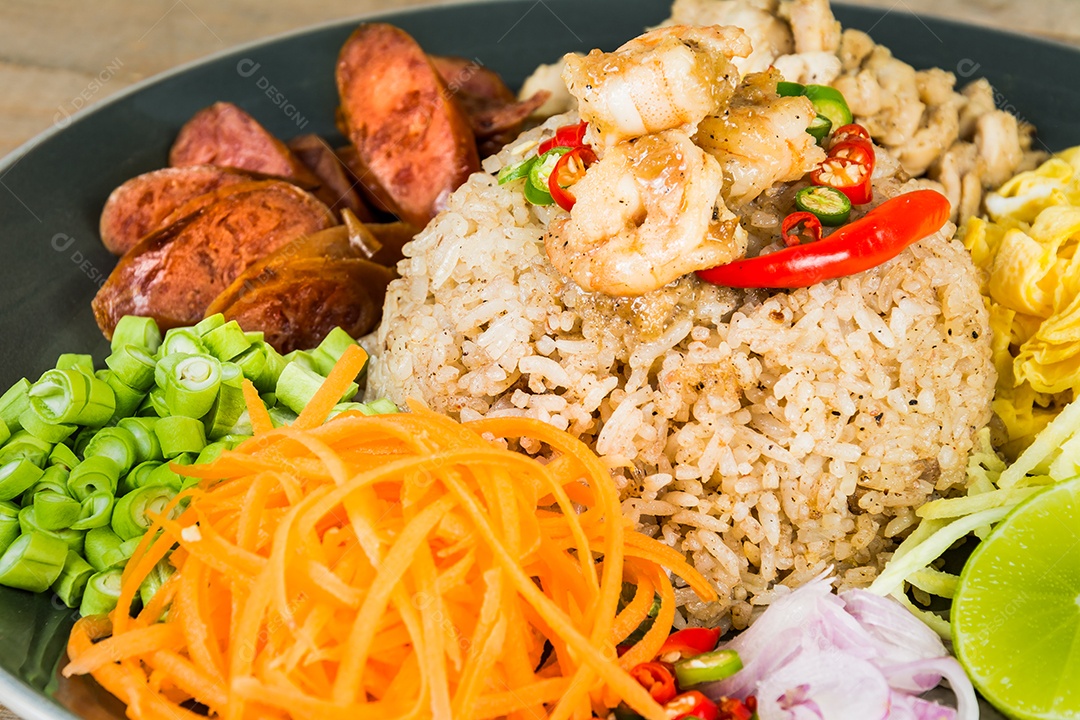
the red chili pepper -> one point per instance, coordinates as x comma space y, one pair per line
849, 176
878, 236
858, 150
800, 227
847, 132
735, 709
570, 136
689, 642
570, 168
657, 678
694, 704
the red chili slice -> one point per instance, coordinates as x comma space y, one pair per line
570, 136
800, 227
847, 132
689, 642
657, 679
691, 704
847, 175
567, 172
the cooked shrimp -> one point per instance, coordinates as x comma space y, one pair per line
760, 139
769, 35
647, 213
669, 78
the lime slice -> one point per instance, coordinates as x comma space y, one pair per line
1016, 612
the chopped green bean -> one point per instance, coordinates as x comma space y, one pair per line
228, 415
131, 516
211, 452
139, 331
298, 384
147, 446
28, 523
24, 445
55, 511
153, 581
92, 475
181, 340
102, 593
33, 561
179, 434
9, 524
227, 341
16, 477
71, 583
128, 399
281, 416
133, 366
72, 397
138, 477
211, 322
76, 361
95, 511
166, 476
63, 456
51, 433
192, 385
105, 549
13, 403
116, 443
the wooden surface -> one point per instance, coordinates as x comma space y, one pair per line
58, 56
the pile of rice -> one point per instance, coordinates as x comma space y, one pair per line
768, 435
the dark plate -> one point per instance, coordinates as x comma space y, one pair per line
54, 187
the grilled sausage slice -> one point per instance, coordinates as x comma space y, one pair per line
412, 139
141, 205
335, 178
175, 273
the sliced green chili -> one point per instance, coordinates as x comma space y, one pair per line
102, 593
820, 127
33, 561
516, 171
94, 474
71, 583
179, 434
139, 331
18, 476
95, 511
55, 511
827, 204
707, 667
131, 516
49, 432
790, 89
105, 549
540, 172
69, 396
830, 102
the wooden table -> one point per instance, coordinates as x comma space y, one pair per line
58, 56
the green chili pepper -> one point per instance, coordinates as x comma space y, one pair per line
141, 332
828, 205
72, 397
105, 549
131, 516
820, 127
55, 511
71, 583
102, 593
707, 667
95, 511
516, 172
16, 477
790, 89
179, 434
94, 474
830, 102
33, 561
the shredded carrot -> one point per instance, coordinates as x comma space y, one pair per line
257, 412
396, 566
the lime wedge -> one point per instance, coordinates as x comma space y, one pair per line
1016, 612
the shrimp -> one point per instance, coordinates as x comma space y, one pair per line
668, 78
760, 139
647, 213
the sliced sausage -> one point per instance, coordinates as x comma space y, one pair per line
175, 273
411, 137
332, 173
139, 206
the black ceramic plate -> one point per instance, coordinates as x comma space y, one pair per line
53, 189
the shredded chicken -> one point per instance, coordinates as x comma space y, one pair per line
647, 213
668, 78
